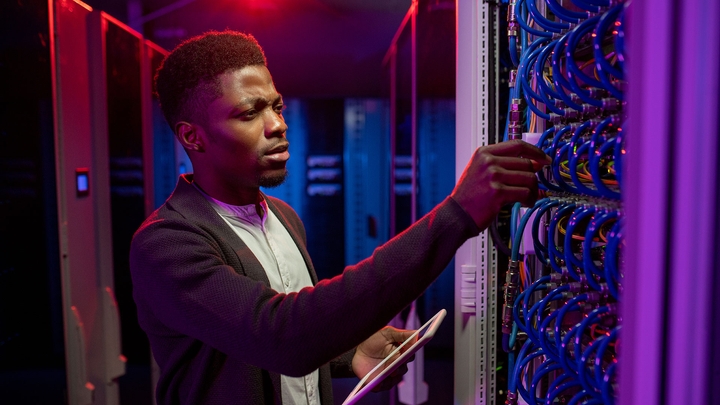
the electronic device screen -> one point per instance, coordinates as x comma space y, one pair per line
416, 341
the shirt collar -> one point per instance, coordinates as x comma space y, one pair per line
246, 213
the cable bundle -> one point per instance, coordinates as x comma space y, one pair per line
559, 322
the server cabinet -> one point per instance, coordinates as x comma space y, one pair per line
124, 69
32, 355
92, 324
103, 148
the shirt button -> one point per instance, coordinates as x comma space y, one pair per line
287, 283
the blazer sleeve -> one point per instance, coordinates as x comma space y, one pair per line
185, 286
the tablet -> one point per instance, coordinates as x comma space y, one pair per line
378, 373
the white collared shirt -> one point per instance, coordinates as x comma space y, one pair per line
275, 249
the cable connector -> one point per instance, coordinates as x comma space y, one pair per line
556, 119
513, 26
512, 398
610, 105
593, 297
576, 287
571, 114
514, 128
512, 78
590, 111
597, 93
512, 283
556, 278
604, 292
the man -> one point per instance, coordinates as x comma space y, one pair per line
223, 283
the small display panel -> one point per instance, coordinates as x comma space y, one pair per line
82, 181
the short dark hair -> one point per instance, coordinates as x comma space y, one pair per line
187, 79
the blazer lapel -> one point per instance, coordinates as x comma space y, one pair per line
188, 201
194, 206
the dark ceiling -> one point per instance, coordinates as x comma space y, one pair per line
315, 48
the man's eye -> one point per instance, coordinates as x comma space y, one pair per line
247, 114
280, 108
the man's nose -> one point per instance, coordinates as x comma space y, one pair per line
275, 125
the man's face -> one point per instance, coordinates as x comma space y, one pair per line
245, 131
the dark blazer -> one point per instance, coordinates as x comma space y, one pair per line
221, 335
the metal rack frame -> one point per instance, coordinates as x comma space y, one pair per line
476, 278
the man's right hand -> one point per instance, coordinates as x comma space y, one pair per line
497, 175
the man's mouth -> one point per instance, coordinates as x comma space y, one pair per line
278, 153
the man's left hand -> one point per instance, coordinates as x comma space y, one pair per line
373, 350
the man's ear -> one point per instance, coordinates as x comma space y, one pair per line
189, 137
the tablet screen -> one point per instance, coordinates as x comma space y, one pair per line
416, 341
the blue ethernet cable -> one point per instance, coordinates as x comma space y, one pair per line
620, 42
514, 217
543, 338
578, 216
559, 389
619, 151
575, 75
540, 250
538, 285
599, 135
556, 142
612, 275
545, 368
544, 89
557, 159
597, 369
594, 166
544, 137
539, 309
563, 95
575, 400
593, 317
570, 151
515, 252
549, 25
600, 31
564, 348
530, 94
508, 339
583, 150
593, 7
520, 363
559, 79
523, 24
512, 44
565, 14
607, 385
583, 370
553, 253
603, 66
571, 305
591, 270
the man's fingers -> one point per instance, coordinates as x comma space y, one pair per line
397, 335
516, 178
519, 163
524, 195
519, 148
